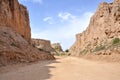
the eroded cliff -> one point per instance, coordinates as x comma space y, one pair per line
15, 35
57, 47
43, 45
15, 15
104, 27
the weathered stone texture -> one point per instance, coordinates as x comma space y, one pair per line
15, 15
57, 47
104, 26
42, 44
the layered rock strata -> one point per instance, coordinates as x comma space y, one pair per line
44, 45
15, 35
15, 15
57, 47
14, 48
104, 26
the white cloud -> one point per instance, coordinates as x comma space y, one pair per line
65, 34
65, 16
35, 1
49, 20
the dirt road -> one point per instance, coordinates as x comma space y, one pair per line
65, 68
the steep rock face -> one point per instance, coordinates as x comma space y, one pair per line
44, 45
15, 35
57, 47
104, 26
14, 48
15, 15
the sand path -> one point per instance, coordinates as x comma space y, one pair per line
64, 68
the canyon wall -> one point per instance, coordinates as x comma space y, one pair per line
104, 26
15, 35
57, 47
44, 45
15, 15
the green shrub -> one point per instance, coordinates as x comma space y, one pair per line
116, 41
84, 51
56, 48
67, 50
99, 48
63, 54
13, 44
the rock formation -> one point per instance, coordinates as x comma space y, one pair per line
14, 48
44, 45
15, 35
15, 15
103, 28
57, 47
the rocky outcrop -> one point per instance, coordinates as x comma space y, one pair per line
44, 45
103, 28
15, 35
57, 47
15, 15
14, 48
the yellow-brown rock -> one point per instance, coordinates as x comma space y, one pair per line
104, 26
14, 48
15, 15
42, 44
15, 35
57, 47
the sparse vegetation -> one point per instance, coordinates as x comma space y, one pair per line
62, 54
99, 48
84, 51
13, 44
56, 48
66, 50
116, 41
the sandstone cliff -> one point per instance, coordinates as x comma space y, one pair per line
15, 15
104, 27
57, 47
14, 48
15, 35
43, 45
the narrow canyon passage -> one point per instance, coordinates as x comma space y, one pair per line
64, 68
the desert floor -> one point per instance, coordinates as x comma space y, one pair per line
63, 68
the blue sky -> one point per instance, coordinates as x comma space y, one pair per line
60, 20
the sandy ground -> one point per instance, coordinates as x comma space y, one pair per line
64, 68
